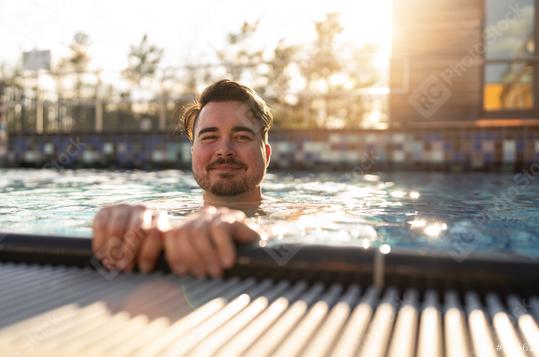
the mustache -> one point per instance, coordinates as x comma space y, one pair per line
229, 161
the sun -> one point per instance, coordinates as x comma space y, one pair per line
368, 23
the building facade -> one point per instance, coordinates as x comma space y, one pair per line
468, 62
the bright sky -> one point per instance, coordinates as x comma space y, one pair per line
188, 31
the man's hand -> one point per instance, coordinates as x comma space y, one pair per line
125, 235
203, 244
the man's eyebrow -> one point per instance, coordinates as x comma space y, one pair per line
243, 128
207, 130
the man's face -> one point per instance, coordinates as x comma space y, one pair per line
229, 154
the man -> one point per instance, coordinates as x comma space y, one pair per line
228, 130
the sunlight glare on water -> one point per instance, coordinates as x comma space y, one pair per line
429, 211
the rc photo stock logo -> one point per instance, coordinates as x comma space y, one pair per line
112, 258
281, 253
66, 157
463, 244
430, 96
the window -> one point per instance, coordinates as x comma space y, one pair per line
511, 67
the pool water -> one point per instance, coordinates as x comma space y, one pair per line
459, 213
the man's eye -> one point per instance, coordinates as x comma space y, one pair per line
208, 137
243, 138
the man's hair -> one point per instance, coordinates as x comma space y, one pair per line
223, 91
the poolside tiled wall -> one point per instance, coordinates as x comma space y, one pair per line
451, 149
3, 138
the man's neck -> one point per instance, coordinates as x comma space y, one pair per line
245, 201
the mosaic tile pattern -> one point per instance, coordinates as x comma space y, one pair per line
3, 139
461, 149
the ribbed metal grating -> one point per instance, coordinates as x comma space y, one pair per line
61, 311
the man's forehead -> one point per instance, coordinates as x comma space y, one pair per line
226, 115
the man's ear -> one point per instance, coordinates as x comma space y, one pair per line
268, 153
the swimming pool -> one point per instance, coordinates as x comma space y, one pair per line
458, 213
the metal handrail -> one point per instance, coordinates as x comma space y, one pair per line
398, 267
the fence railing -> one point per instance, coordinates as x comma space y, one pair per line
34, 116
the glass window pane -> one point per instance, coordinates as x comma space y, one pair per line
509, 29
508, 86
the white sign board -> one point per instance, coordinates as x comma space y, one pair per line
36, 60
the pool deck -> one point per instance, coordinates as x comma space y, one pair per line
321, 301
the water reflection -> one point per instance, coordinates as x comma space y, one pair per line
432, 228
413, 210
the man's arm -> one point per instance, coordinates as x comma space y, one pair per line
202, 245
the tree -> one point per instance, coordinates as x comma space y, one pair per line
277, 80
336, 77
77, 63
320, 67
143, 61
11, 78
361, 74
239, 57
266, 72
12, 93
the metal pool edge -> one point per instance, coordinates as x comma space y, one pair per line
400, 267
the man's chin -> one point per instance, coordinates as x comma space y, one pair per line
226, 192
228, 188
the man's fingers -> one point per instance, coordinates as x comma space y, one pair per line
118, 220
177, 251
192, 239
242, 233
139, 222
202, 245
171, 250
149, 251
99, 227
223, 243
112, 250
110, 227
240, 230
153, 243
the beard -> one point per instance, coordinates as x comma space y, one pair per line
226, 184
229, 187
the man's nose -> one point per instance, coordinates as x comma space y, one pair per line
225, 148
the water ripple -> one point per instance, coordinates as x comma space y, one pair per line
430, 211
